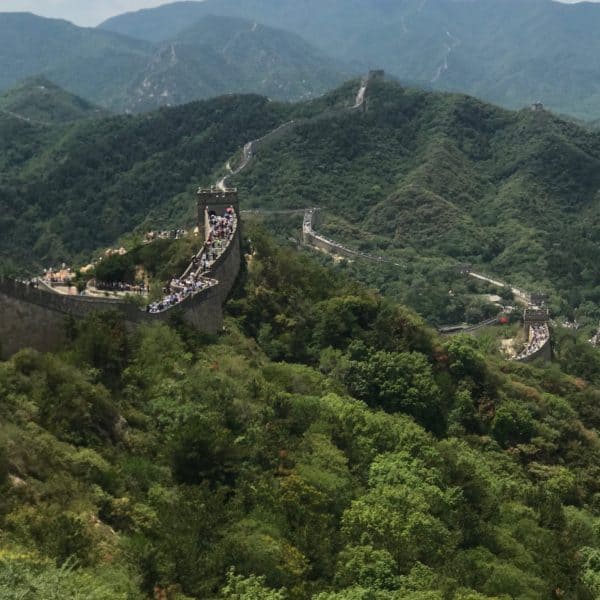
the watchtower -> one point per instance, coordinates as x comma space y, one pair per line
217, 200
376, 74
539, 299
534, 316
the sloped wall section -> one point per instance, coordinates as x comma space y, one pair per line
32, 317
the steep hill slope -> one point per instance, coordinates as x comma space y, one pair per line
512, 52
215, 56
326, 446
40, 100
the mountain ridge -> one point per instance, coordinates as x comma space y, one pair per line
41, 101
124, 74
420, 176
512, 52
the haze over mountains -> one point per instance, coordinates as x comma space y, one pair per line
211, 56
41, 101
511, 52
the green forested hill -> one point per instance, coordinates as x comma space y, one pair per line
421, 177
447, 175
211, 56
511, 52
72, 189
43, 102
327, 447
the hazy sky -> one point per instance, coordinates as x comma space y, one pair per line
81, 12
89, 12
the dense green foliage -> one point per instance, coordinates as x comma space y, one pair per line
70, 190
211, 57
423, 177
427, 180
204, 468
512, 52
153, 264
41, 101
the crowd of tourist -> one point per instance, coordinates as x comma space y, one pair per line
177, 291
222, 229
167, 234
106, 286
538, 336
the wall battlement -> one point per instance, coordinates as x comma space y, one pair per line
34, 317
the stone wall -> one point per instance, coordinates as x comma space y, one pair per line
27, 324
35, 317
544, 353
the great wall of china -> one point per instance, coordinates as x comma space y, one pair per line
535, 318
34, 316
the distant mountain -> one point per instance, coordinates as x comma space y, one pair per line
40, 100
220, 55
91, 63
511, 52
213, 56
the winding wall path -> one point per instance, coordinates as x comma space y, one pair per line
33, 316
537, 346
251, 148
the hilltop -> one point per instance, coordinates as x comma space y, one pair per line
211, 56
39, 100
91, 63
511, 52
219, 55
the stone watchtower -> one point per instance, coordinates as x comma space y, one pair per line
532, 316
217, 200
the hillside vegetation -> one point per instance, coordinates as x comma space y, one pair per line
369, 461
209, 57
512, 52
39, 100
430, 180
424, 175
